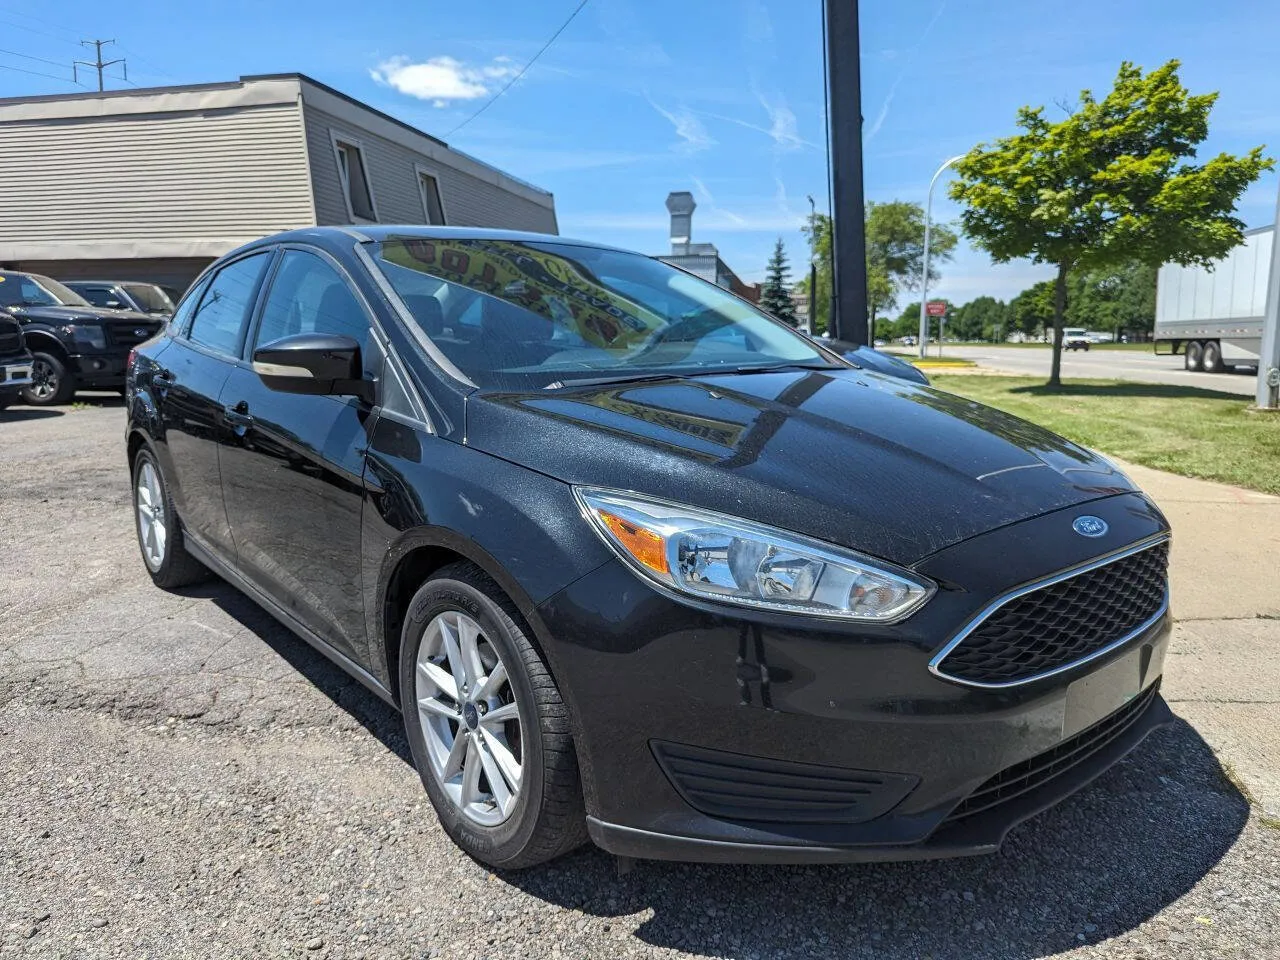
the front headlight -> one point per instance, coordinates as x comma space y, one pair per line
91, 336
716, 557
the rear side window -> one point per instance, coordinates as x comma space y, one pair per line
98, 296
310, 296
224, 307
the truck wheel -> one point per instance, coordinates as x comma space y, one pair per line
1193, 358
51, 382
1213, 357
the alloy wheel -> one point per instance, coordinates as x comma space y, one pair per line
470, 719
44, 381
152, 529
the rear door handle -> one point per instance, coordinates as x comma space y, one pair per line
238, 415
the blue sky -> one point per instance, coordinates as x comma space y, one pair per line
720, 97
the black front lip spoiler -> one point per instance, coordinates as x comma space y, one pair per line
973, 836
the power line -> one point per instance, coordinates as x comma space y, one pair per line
27, 56
488, 103
43, 33
34, 73
48, 23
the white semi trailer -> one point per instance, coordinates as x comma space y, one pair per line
1214, 315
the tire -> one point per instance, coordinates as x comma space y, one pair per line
544, 816
53, 383
171, 566
1193, 357
1213, 357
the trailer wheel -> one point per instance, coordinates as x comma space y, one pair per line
1213, 357
1193, 358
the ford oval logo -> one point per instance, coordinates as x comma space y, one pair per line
1089, 526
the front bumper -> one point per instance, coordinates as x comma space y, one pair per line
853, 707
99, 369
15, 374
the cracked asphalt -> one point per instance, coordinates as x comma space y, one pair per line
180, 777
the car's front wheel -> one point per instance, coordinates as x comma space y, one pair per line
51, 382
159, 533
487, 726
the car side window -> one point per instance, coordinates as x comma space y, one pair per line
98, 296
225, 305
309, 296
186, 307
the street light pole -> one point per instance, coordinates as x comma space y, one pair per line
924, 272
813, 267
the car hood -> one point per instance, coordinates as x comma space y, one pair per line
68, 314
876, 464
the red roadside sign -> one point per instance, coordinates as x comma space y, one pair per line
936, 308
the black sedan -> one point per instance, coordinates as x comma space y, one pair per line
640, 564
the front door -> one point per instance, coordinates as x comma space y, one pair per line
292, 469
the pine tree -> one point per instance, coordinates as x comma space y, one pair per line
775, 297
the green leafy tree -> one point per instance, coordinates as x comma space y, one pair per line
1120, 301
1031, 311
984, 318
895, 256
1112, 182
774, 297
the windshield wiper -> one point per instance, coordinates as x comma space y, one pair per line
686, 374
606, 381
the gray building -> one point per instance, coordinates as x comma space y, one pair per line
153, 184
702, 259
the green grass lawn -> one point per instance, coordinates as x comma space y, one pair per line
1197, 433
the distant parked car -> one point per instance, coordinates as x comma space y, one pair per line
15, 360
1075, 338
127, 295
873, 359
73, 343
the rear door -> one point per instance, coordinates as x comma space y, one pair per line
192, 371
292, 469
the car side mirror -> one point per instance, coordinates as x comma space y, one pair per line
313, 363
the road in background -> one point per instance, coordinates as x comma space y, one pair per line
1102, 365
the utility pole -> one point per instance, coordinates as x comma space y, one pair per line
97, 63
848, 237
813, 269
1268, 396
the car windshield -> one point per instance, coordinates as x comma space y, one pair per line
533, 315
33, 290
150, 297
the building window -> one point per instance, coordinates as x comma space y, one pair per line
354, 174
432, 208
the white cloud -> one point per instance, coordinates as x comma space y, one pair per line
759, 25
443, 79
782, 122
701, 190
693, 135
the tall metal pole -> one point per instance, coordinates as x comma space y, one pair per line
1269, 360
813, 268
98, 63
848, 240
924, 268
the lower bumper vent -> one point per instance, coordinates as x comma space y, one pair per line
1029, 774
737, 787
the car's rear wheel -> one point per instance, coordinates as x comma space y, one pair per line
1193, 358
51, 382
488, 730
159, 533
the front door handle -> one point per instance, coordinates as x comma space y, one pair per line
162, 379
238, 415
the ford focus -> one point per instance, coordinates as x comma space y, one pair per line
639, 564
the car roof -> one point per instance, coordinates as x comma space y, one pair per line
362, 233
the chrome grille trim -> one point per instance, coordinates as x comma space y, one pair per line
935, 665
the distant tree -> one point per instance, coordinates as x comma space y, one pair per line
1111, 183
1118, 301
775, 296
895, 256
1031, 311
983, 318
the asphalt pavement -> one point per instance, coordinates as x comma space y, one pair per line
181, 777
1114, 364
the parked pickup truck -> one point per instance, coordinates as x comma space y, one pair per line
1075, 338
15, 360
73, 344
125, 295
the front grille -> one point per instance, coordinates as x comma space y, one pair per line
1029, 774
739, 787
1064, 623
10, 338
128, 333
